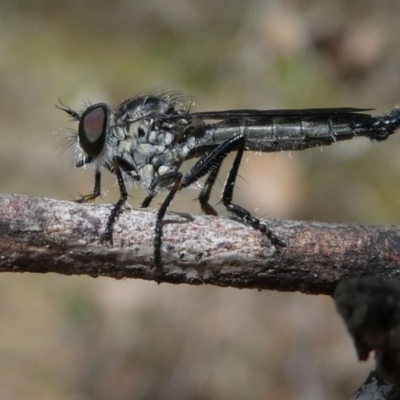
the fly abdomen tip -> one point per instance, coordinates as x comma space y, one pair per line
392, 120
386, 125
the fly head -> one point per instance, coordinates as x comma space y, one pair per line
93, 128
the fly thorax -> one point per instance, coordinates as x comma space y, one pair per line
118, 132
143, 153
147, 132
163, 138
141, 131
163, 169
147, 176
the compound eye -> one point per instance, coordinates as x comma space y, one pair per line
93, 129
94, 124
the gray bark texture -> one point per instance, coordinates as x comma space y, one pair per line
42, 235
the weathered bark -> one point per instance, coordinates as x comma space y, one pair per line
42, 235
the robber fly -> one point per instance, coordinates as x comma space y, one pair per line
147, 138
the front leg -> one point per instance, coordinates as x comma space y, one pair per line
97, 181
96, 190
118, 164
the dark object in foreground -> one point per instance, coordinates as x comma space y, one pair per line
147, 138
371, 311
375, 389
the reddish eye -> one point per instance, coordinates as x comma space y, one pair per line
94, 124
93, 128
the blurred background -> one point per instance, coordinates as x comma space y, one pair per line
81, 338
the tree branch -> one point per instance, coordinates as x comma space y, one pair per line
42, 235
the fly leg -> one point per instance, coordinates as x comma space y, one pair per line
96, 190
240, 212
206, 164
119, 164
172, 178
97, 182
148, 199
176, 177
86, 160
161, 181
204, 196
211, 163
